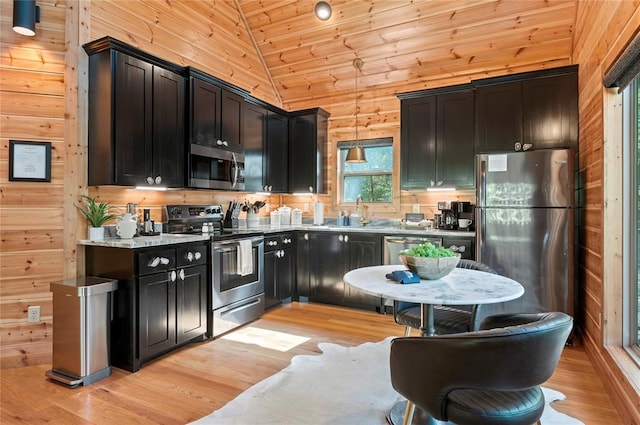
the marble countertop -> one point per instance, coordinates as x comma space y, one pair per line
266, 229
460, 287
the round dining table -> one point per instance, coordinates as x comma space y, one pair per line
460, 287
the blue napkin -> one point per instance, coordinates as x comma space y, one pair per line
403, 276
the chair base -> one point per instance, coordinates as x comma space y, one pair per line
396, 416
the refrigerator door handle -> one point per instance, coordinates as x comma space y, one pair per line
482, 177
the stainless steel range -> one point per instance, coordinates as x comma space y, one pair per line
236, 295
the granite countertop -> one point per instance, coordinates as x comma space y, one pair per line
145, 241
170, 239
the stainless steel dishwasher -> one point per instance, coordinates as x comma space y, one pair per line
394, 244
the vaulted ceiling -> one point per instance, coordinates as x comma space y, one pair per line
409, 44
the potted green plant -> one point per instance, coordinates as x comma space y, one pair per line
97, 214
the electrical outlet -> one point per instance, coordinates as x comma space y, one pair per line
33, 313
416, 208
306, 208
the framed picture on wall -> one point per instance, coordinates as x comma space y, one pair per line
29, 161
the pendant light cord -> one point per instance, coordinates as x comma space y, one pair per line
357, 64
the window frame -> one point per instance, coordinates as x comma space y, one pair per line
373, 207
615, 310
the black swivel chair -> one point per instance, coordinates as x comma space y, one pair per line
447, 319
491, 376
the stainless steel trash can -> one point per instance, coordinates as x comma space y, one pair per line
81, 328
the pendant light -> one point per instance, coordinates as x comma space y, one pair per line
356, 153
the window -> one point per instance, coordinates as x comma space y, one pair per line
372, 179
631, 229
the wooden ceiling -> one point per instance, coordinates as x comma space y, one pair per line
405, 45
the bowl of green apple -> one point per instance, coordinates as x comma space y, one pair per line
430, 262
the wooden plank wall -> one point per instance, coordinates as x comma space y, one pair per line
32, 107
602, 31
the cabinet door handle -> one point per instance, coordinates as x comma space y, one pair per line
225, 143
219, 142
164, 261
198, 255
189, 256
154, 262
306, 236
172, 276
158, 180
340, 238
150, 180
181, 274
310, 188
455, 248
286, 241
346, 238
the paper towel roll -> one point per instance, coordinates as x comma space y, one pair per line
318, 213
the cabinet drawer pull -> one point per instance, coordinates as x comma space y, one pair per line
158, 180
181, 274
154, 262
346, 238
150, 180
164, 261
172, 276
198, 255
189, 256
455, 248
306, 236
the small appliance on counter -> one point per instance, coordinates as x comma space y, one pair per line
148, 225
451, 212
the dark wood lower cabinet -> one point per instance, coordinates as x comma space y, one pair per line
161, 300
330, 256
279, 268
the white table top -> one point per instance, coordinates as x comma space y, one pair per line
461, 286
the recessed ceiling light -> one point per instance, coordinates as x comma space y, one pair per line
323, 10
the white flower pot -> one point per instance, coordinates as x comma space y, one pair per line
95, 233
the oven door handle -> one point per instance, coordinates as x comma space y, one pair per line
235, 309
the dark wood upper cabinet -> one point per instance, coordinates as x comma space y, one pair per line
307, 146
136, 119
216, 112
276, 154
540, 108
204, 113
418, 142
436, 142
231, 120
499, 117
254, 131
455, 159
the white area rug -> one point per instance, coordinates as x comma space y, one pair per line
343, 385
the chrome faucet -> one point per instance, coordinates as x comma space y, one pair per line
361, 209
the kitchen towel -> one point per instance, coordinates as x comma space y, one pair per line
245, 257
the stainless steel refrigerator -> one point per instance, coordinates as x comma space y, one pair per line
525, 226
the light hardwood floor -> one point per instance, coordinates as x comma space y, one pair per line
200, 378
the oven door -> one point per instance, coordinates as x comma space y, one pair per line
230, 284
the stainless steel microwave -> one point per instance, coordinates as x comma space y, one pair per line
212, 168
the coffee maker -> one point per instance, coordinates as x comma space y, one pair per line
451, 211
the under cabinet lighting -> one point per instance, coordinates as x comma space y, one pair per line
441, 189
156, 188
